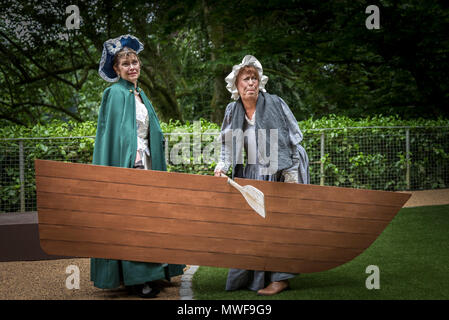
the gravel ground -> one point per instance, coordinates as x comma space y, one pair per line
428, 198
46, 280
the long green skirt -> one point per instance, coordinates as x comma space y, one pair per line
110, 274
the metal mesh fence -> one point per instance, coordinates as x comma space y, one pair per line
17, 178
378, 158
384, 159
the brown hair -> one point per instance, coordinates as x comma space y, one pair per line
250, 69
125, 52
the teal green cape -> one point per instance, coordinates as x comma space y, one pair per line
116, 145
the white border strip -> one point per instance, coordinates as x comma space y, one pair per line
185, 291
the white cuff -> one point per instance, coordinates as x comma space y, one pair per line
290, 176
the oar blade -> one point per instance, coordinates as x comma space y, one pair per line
255, 199
253, 196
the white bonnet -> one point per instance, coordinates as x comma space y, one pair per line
247, 61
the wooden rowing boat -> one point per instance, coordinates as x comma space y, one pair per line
127, 214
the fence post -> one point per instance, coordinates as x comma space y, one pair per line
22, 177
407, 157
167, 160
321, 160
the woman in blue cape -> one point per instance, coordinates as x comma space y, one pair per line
128, 136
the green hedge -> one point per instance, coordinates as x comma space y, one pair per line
354, 155
74, 150
371, 153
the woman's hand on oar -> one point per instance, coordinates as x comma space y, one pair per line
219, 173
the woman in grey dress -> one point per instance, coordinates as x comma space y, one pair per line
255, 122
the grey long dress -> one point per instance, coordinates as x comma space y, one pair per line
253, 279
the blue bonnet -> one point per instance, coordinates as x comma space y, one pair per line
110, 48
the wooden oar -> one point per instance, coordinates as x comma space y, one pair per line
252, 195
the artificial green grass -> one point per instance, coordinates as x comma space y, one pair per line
412, 254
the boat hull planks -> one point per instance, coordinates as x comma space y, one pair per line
154, 216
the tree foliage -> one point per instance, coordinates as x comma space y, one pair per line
319, 56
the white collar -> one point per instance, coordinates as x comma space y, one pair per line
251, 121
